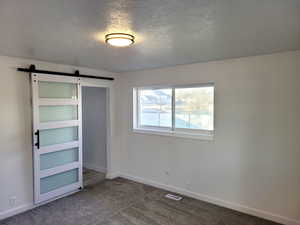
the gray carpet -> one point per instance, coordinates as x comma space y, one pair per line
92, 177
124, 202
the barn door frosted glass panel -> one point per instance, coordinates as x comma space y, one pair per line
58, 136
58, 113
59, 158
57, 90
56, 181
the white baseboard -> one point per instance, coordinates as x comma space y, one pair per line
95, 167
220, 202
112, 175
23, 208
17, 210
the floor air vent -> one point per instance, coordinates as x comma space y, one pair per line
173, 197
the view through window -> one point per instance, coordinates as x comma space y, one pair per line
156, 107
193, 108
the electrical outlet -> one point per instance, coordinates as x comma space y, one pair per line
12, 200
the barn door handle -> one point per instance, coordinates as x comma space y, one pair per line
37, 133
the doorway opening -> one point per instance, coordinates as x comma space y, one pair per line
58, 108
94, 134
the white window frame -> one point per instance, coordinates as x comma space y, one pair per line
170, 131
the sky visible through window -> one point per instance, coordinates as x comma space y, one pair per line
193, 107
156, 107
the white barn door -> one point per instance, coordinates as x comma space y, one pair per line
57, 136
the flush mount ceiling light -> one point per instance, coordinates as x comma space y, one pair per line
119, 39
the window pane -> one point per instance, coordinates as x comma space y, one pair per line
59, 180
57, 90
155, 107
194, 108
58, 113
58, 135
59, 158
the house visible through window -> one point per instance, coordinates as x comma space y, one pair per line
181, 111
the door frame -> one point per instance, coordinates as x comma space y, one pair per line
87, 82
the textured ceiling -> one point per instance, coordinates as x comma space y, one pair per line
168, 32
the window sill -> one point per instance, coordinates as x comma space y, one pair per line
199, 136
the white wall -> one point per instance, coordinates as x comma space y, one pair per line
253, 164
15, 131
94, 128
